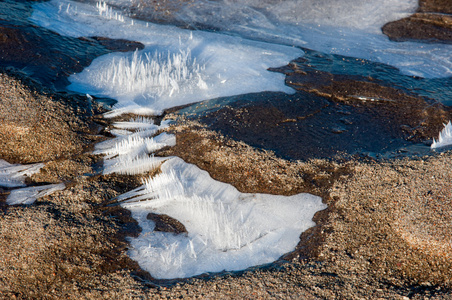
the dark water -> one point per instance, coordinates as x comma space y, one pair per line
45, 55
298, 126
304, 126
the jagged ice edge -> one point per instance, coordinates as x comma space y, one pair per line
444, 138
132, 152
13, 175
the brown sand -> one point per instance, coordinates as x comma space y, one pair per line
40, 126
386, 233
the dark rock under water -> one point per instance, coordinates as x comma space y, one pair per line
166, 223
332, 113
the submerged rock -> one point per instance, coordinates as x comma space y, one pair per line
426, 27
402, 112
45, 55
331, 114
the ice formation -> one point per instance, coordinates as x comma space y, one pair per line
28, 195
444, 138
106, 11
143, 76
13, 175
132, 152
227, 230
176, 67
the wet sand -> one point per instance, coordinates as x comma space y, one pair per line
386, 233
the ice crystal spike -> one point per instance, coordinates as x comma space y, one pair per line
29, 195
444, 138
136, 123
132, 152
151, 74
132, 165
13, 175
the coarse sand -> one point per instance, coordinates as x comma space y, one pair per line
385, 234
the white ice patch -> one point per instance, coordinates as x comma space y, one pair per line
227, 230
14, 175
444, 138
176, 67
29, 195
350, 28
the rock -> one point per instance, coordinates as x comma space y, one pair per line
431, 23
120, 45
38, 126
165, 223
426, 27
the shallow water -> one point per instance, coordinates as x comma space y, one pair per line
39, 52
324, 136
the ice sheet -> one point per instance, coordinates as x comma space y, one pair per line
349, 28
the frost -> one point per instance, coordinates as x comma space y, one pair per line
444, 138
